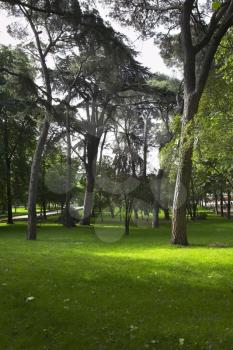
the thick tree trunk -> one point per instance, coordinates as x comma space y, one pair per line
92, 152
33, 185
179, 224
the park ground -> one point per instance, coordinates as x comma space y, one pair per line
91, 289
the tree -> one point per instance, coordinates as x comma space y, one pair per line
18, 112
200, 39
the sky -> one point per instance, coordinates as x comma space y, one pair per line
148, 55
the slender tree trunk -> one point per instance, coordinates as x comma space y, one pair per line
9, 192
155, 223
33, 185
111, 208
44, 209
142, 216
166, 214
128, 213
229, 204
136, 216
145, 147
221, 204
127, 218
8, 172
120, 213
92, 152
68, 220
216, 203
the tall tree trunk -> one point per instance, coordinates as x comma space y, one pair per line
179, 224
194, 83
9, 192
166, 214
135, 216
155, 222
33, 185
229, 204
221, 204
156, 208
120, 213
8, 173
92, 152
44, 211
111, 208
216, 203
145, 147
68, 220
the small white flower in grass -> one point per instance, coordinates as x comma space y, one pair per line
31, 298
4, 284
181, 341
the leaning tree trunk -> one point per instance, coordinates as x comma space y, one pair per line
179, 224
197, 64
33, 185
68, 220
92, 152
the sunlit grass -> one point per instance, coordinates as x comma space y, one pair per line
137, 293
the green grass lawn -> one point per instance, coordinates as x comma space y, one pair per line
137, 293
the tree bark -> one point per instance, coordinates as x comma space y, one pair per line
194, 84
92, 152
216, 203
8, 173
9, 193
68, 220
221, 204
166, 214
155, 223
33, 185
229, 204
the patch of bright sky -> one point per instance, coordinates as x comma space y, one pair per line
148, 55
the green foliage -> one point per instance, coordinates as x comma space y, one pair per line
216, 5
